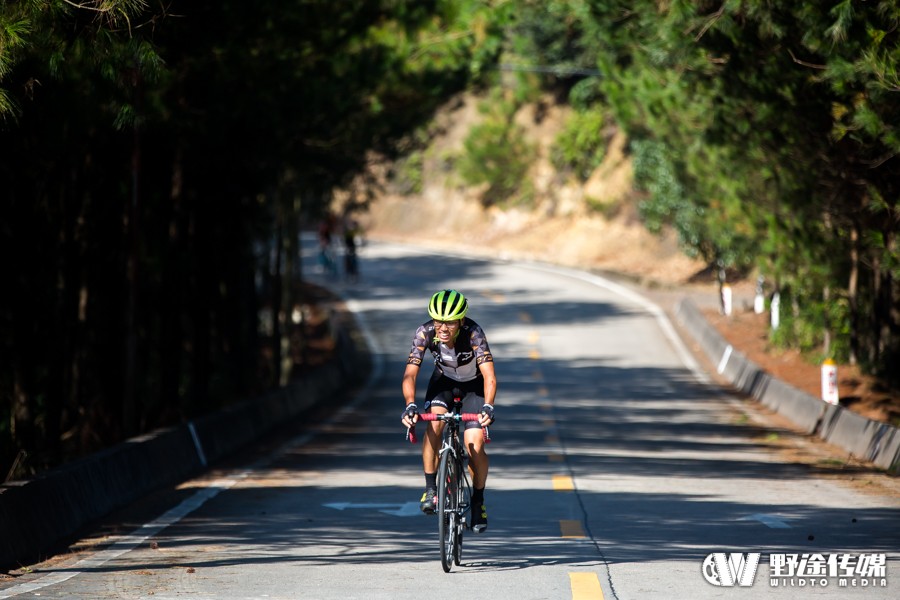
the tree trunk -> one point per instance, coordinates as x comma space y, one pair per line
277, 284
22, 413
199, 306
892, 317
883, 325
876, 346
172, 333
853, 294
826, 300
129, 397
63, 348
287, 301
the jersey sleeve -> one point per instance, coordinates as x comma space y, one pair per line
418, 347
480, 345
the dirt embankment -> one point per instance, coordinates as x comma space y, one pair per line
559, 223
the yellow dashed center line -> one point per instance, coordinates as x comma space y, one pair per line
571, 529
585, 586
563, 483
551, 439
555, 457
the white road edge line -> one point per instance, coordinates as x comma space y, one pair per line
724, 362
200, 454
125, 543
662, 320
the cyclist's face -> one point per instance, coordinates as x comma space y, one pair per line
446, 330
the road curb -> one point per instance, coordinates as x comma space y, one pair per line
36, 515
872, 441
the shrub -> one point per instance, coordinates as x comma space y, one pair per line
408, 173
497, 153
580, 146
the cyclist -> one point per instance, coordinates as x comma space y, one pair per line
462, 360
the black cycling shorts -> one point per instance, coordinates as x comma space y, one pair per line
440, 393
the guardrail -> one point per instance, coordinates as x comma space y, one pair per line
872, 441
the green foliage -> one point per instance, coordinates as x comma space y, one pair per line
580, 146
155, 166
496, 153
408, 176
585, 94
666, 204
13, 33
547, 34
806, 319
771, 134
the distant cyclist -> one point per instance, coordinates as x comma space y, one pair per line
462, 360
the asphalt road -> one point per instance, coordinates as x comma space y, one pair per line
615, 472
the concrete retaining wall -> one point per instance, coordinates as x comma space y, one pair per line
868, 440
37, 514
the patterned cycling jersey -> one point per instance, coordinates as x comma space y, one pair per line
460, 362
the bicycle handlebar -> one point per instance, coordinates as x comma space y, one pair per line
411, 431
449, 417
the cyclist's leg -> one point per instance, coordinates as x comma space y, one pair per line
473, 436
432, 444
478, 458
478, 465
437, 400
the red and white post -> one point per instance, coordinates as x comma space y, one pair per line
830, 382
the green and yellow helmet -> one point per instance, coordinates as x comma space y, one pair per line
448, 305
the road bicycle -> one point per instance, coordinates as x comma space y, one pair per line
454, 492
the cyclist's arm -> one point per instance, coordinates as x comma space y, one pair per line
409, 383
413, 363
490, 382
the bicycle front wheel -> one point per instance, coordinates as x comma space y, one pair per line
447, 500
461, 501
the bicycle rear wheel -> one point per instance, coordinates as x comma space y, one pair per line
448, 517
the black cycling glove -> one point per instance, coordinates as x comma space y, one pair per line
488, 409
410, 411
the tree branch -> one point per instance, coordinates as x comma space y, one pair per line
712, 21
86, 7
806, 64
